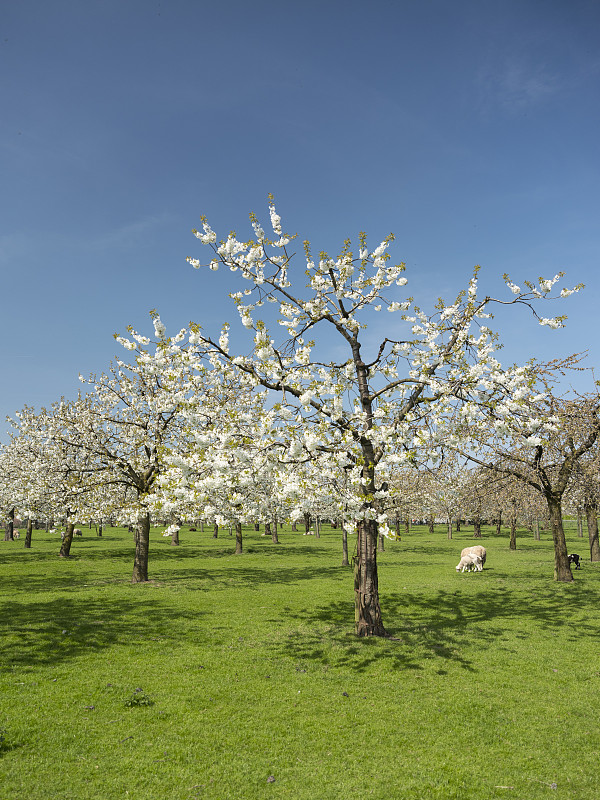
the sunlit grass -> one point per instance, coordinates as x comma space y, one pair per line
487, 687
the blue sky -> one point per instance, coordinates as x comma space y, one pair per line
469, 129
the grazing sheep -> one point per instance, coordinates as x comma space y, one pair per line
469, 562
574, 559
16, 534
77, 532
478, 549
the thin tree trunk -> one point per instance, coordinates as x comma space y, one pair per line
499, 523
458, 524
257, 526
10, 526
345, 562
238, 538
367, 615
449, 528
562, 568
215, 531
267, 530
513, 534
307, 523
175, 538
317, 528
294, 526
579, 524
381, 543
28, 533
100, 527
398, 536
431, 525
536, 530
274, 535
142, 546
65, 547
591, 513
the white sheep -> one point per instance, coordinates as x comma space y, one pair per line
468, 562
477, 549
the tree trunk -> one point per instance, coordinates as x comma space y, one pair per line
458, 524
591, 513
65, 547
307, 523
100, 527
406, 526
499, 524
142, 545
257, 526
28, 533
381, 544
513, 534
267, 529
449, 528
477, 528
579, 524
10, 526
294, 526
238, 538
215, 531
398, 536
175, 538
317, 528
536, 530
274, 535
345, 562
367, 614
562, 568
431, 525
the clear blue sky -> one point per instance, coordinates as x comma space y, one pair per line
470, 129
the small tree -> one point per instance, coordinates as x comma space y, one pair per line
364, 409
537, 438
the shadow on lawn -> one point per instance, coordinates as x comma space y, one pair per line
56, 631
446, 626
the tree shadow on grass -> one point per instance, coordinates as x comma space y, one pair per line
444, 627
248, 577
57, 631
205, 578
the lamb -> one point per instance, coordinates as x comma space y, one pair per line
77, 532
16, 534
574, 559
478, 549
469, 561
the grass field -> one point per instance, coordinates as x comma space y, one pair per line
239, 677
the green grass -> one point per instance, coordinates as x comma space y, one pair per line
248, 668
